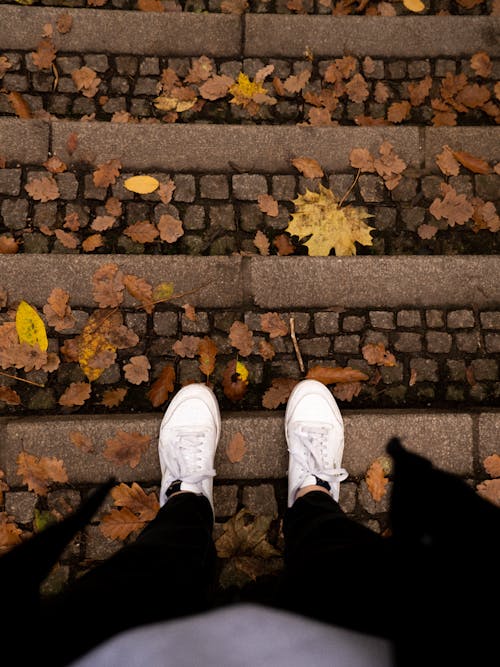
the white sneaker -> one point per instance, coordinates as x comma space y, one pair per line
189, 434
314, 432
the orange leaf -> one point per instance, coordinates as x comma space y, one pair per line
9, 396
481, 64
145, 505
345, 391
108, 286
376, 481
361, 158
103, 222
278, 392
331, 374
357, 89
107, 173
126, 448
119, 524
216, 86
236, 448
447, 162
419, 91
10, 534
189, 311
82, 441
113, 397
295, 83
261, 242
58, 311
43, 189
20, 105
37, 473
475, 164
268, 205
8, 245
162, 386
64, 23
398, 111
273, 325
234, 386
207, 350
492, 465
170, 228
266, 350
72, 143
241, 338
45, 54
150, 6
55, 165
187, 346
141, 290
454, 208
283, 245
67, 239
308, 166
490, 490
375, 353
92, 242
142, 232
136, 371
76, 394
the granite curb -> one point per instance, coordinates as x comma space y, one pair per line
444, 437
271, 282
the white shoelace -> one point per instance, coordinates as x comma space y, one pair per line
189, 464
312, 456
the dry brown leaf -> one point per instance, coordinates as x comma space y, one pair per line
234, 6
45, 54
166, 191
64, 23
361, 158
189, 312
122, 337
136, 371
58, 311
108, 286
170, 228
201, 69
475, 164
375, 353
447, 162
20, 105
162, 386
454, 208
368, 65
5, 65
241, 338
413, 377
76, 394
236, 448
113, 397
43, 189
101, 223
389, 165
490, 490
268, 205
10, 534
473, 96
398, 111
333, 374
142, 232
278, 392
245, 534
283, 245
381, 93
55, 165
9, 396
113, 207
357, 89
119, 524
308, 166
207, 351
295, 83
272, 324
420, 91
427, 231
86, 81
106, 173
321, 118
234, 385
82, 441
492, 465
187, 346
72, 143
261, 242
37, 473
141, 290
444, 119
485, 216
346, 391
266, 350
150, 6
92, 242
67, 239
145, 505
376, 481
216, 86
126, 448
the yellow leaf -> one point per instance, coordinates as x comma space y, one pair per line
163, 291
166, 103
319, 214
414, 5
143, 185
242, 371
30, 327
92, 342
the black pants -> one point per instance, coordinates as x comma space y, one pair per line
170, 571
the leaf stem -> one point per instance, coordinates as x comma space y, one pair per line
349, 190
15, 377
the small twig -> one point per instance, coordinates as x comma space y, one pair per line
56, 77
348, 191
15, 377
176, 296
296, 345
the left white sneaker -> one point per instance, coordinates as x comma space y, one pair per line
189, 434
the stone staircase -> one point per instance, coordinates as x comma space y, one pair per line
434, 303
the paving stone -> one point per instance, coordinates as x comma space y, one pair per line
492, 342
408, 342
260, 500
426, 369
353, 323
326, 322
97, 62
222, 216
315, 347
487, 186
55, 582
283, 187
460, 319
485, 369
385, 218
146, 86
438, 341
406, 190
249, 186
201, 325
455, 393
490, 320
301, 321
392, 374
194, 218
463, 185
68, 186
45, 214
185, 188
225, 499
434, 318
20, 505
375, 337
10, 182
347, 498
431, 186
468, 342
417, 69
413, 217
442, 67
119, 85
64, 501
456, 369
382, 319
97, 546
346, 344
15, 213
149, 66
93, 192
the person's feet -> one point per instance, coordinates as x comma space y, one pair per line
314, 432
189, 434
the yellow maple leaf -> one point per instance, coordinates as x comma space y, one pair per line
249, 94
30, 327
92, 342
319, 214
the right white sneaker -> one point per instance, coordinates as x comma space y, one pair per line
314, 432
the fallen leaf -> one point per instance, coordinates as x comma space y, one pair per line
143, 185
283, 245
82, 441
108, 286
375, 353
20, 105
333, 374
216, 86
92, 242
319, 216
76, 394
485, 216
10, 534
427, 231
295, 83
187, 346
261, 242
141, 290
475, 164
126, 448
189, 312
414, 5
145, 505
268, 205
101, 223
490, 490
163, 292
9, 396
241, 338
170, 228
72, 143
321, 118
142, 232
447, 163
357, 89
245, 534
473, 96
235, 380
361, 158
381, 93
107, 173
492, 465
150, 6
136, 371
278, 392
272, 324
64, 23
5, 65
207, 351
368, 65
345, 391
166, 190
86, 81
481, 64
413, 377
122, 337
113, 207
236, 448
119, 524
376, 481
43, 189
266, 350
67, 239
55, 165
454, 208
37, 473
398, 111
250, 95
419, 91
308, 166
389, 165
58, 311
30, 327
113, 397
234, 6
162, 386
45, 54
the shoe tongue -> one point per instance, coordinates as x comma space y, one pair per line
313, 426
